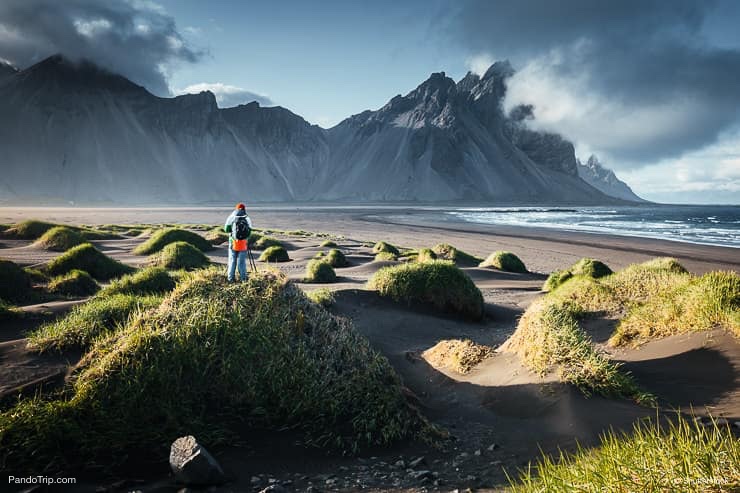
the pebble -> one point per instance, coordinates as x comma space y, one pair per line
477, 453
492, 447
422, 475
255, 480
401, 464
417, 462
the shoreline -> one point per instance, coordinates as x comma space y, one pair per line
542, 249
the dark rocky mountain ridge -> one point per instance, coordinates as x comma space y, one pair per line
75, 132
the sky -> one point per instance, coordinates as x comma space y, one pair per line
651, 87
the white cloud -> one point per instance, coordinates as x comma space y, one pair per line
478, 64
227, 96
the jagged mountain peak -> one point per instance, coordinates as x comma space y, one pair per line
76, 75
7, 69
500, 70
602, 178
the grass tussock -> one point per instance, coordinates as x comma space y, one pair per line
15, 283
439, 283
336, 258
164, 237
382, 246
36, 276
75, 283
457, 355
34, 229
586, 267
90, 321
549, 338
88, 258
217, 236
8, 312
505, 261
328, 244
322, 296
215, 358
654, 458
445, 251
319, 271
425, 255
151, 280
60, 239
275, 254
385, 257
264, 242
180, 255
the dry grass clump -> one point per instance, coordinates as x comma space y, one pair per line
75, 283
457, 355
654, 458
151, 280
445, 251
88, 258
319, 271
438, 282
164, 237
275, 254
90, 321
180, 255
505, 261
213, 359
217, 236
60, 239
382, 246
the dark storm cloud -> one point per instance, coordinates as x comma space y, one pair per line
134, 38
649, 57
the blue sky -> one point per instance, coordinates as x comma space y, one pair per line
650, 86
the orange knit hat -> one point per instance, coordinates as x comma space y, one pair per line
240, 206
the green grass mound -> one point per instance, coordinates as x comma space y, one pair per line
505, 261
425, 255
336, 258
164, 237
74, 283
152, 280
382, 246
437, 282
88, 258
180, 255
7, 312
213, 359
445, 251
385, 257
585, 267
15, 283
274, 254
28, 230
264, 242
328, 244
217, 236
319, 271
60, 239
36, 276
89, 321
322, 296
665, 263
650, 301
655, 458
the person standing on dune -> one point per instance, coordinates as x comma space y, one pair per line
239, 226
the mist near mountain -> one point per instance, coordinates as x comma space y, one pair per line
603, 179
72, 131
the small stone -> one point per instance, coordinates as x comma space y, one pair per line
422, 475
496, 463
272, 481
463, 455
255, 480
417, 462
400, 464
477, 453
192, 464
737, 424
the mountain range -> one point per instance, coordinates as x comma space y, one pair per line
72, 131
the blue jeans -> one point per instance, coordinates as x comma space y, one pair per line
237, 259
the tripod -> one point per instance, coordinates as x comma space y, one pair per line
252, 263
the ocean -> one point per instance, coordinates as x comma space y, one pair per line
708, 225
